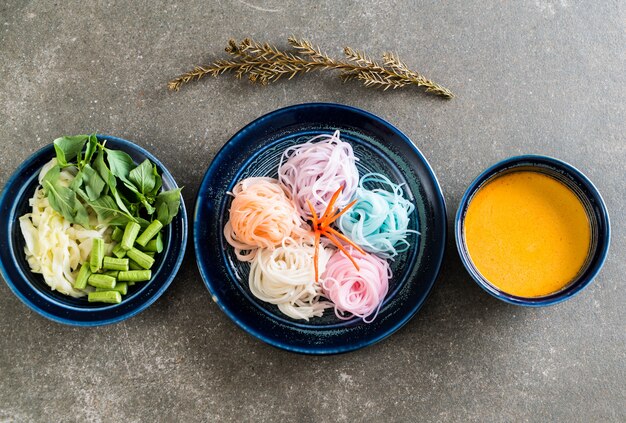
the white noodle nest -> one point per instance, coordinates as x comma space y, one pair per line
286, 277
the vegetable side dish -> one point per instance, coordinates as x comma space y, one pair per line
96, 220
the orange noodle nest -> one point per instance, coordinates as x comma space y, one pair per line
261, 216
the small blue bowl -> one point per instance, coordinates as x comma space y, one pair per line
255, 151
591, 200
31, 289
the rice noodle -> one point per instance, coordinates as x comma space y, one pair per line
316, 169
356, 292
285, 277
261, 216
379, 220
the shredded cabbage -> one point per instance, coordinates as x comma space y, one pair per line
54, 247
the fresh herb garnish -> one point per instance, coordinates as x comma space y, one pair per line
93, 183
67, 148
108, 182
92, 145
107, 209
120, 163
63, 199
167, 204
142, 177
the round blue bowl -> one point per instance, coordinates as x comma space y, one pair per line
32, 290
591, 200
255, 151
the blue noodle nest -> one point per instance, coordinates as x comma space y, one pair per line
378, 222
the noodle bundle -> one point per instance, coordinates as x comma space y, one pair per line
354, 226
261, 216
379, 220
356, 292
285, 277
316, 169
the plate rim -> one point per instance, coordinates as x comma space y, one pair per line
317, 350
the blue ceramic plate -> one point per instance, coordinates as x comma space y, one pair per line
255, 151
31, 288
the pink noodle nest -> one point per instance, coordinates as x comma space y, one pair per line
316, 169
356, 292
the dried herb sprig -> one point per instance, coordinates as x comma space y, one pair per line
263, 63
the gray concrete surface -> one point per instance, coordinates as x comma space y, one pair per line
540, 76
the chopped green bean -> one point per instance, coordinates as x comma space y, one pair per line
101, 281
118, 251
149, 233
132, 265
113, 273
121, 287
117, 234
130, 235
112, 263
150, 253
96, 255
142, 259
112, 297
135, 275
155, 244
83, 275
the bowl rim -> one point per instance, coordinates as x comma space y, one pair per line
142, 306
530, 160
319, 350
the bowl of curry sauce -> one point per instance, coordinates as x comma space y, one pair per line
532, 230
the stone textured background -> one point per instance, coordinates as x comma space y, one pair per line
542, 76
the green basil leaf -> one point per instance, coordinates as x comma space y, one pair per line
90, 150
77, 181
109, 179
52, 176
77, 186
107, 210
67, 148
142, 177
158, 181
60, 198
167, 205
107, 176
94, 184
120, 163
149, 208
121, 203
64, 201
163, 213
81, 217
133, 188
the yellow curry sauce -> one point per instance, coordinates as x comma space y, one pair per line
527, 233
